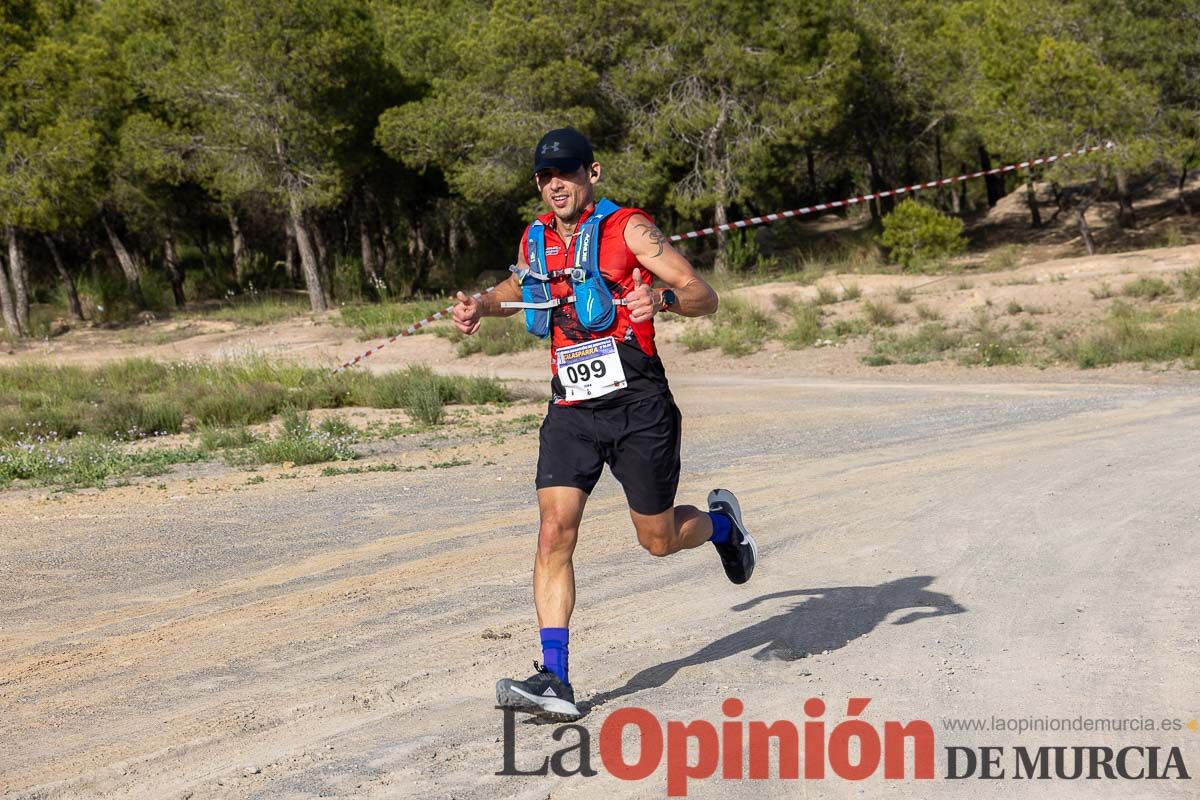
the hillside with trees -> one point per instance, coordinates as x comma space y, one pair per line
157, 154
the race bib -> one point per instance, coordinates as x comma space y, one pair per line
590, 369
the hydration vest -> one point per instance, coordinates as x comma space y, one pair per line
594, 302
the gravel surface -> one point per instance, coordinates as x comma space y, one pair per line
949, 549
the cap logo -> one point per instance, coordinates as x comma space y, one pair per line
550, 147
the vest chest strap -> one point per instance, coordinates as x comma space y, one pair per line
555, 303
594, 301
550, 275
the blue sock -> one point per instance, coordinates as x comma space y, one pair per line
554, 651
722, 527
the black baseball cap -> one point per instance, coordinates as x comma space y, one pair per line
564, 149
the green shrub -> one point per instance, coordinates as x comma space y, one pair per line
880, 313
156, 290
298, 443
918, 236
851, 251
213, 438
805, 328
424, 403
1173, 236
348, 278
927, 313
741, 248
336, 426
1147, 288
1130, 335
236, 404
850, 327
1189, 283
380, 320
258, 308
826, 295
136, 397
930, 342
496, 336
105, 297
1004, 258
990, 344
82, 461
738, 328
422, 392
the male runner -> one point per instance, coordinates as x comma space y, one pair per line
610, 402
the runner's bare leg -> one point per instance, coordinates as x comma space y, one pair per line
561, 510
678, 528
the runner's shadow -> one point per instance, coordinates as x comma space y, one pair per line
832, 618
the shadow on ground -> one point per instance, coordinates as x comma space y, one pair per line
829, 619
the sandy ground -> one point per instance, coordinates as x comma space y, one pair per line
948, 542
1058, 294
953, 549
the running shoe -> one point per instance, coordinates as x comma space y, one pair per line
740, 553
543, 694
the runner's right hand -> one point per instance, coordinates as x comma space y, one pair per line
467, 314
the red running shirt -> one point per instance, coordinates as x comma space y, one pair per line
617, 263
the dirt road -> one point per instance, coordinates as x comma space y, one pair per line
948, 550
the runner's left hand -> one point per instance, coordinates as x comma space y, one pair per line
642, 303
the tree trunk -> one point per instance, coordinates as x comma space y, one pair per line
942, 201
1183, 174
204, 250
318, 240
387, 242
239, 248
1125, 215
308, 260
811, 162
368, 248
173, 272
715, 162
133, 272
873, 186
995, 186
419, 252
1035, 213
452, 246
721, 217
964, 192
20, 278
366, 244
68, 281
11, 324
289, 258
1084, 230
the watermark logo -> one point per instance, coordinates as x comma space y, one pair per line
853, 749
634, 744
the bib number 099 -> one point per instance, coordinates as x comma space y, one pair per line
582, 373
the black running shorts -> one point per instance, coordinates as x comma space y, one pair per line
639, 441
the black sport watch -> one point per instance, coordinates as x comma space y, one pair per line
668, 299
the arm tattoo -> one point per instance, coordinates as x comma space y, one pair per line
655, 236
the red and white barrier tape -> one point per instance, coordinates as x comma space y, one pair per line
410, 330
863, 198
764, 219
